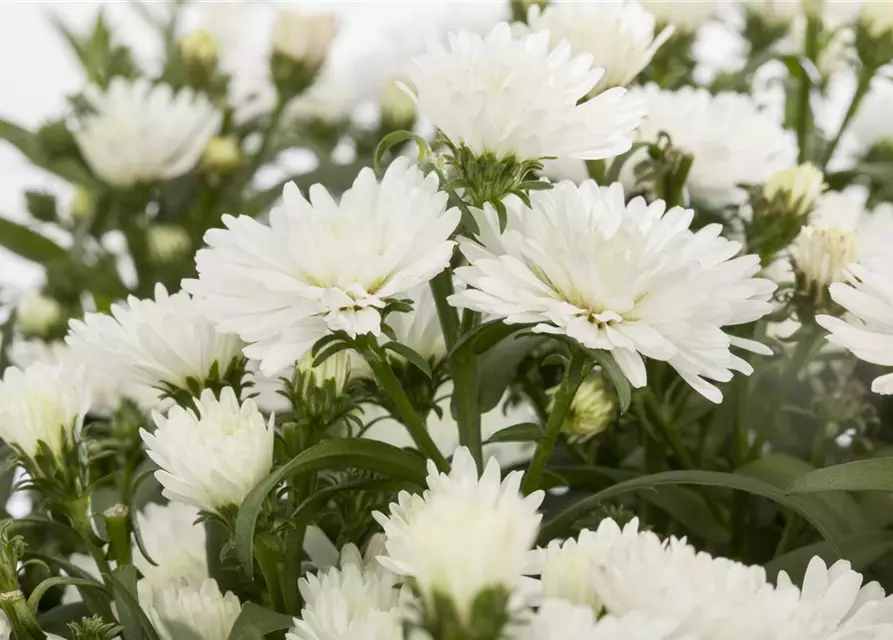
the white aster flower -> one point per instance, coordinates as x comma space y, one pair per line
868, 296
140, 133
730, 140
627, 278
37, 315
304, 37
799, 186
200, 609
484, 521
620, 36
561, 620
358, 601
146, 345
517, 98
44, 403
848, 609
321, 266
211, 459
174, 542
444, 429
685, 16
821, 254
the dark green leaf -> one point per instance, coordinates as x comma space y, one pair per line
136, 624
395, 138
57, 619
411, 355
521, 432
59, 581
368, 455
620, 382
861, 475
499, 367
255, 621
29, 244
485, 336
861, 549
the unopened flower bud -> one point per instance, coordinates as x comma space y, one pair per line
167, 243
821, 254
876, 17
83, 205
335, 369
38, 315
221, 155
301, 42
397, 109
199, 48
591, 410
795, 189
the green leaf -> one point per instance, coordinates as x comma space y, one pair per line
411, 355
29, 244
395, 138
521, 432
59, 581
861, 550
620, 382
861, 475
561, 521
485, 336
255, 622
21, 139
57, 619
499, 367
368, 455
136, 624
99, 602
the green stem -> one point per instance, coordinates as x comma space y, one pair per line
80, 522
441, 289
804, 109
573, 377
297, 439
415, 424
267, 139
667, 432
862, 88
266, 561
466, 395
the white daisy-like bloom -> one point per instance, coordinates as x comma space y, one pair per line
628, 278
800, 186
730, 140
357, 601
837, 594
485, 521
620, 36
147, 344
444, 429
516, 97
821, 254
562, 620
42, 403
211, 459
304, 37
321, 266
868, 332
174, 542
199, 608
138, 132
685, 16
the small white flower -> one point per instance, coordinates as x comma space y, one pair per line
685, 16
868, 296
591, 410
821, 254
147, 344
730, 140
877, 17
800, 186
561, 620
44, 403
628, 278
174, 542
141, 133
201, 609
304, 37
321, 266
37, 315
484, 521
620, 36
516, 97
358, 601
213, 458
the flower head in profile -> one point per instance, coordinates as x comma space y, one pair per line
304, 37
821, 254
357, 601
620, 36
322, 266
200, 609
868, 332
730, 140
798, 188
631, 279
211, 458
520, 98
485, 521
591, 409
43, 403
146, 346
137, 132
